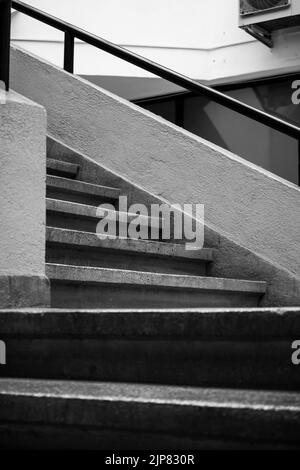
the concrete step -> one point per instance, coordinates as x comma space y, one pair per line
86, 249
53, 414
60, 168
82, 217
246, 348
78, 191
88, 287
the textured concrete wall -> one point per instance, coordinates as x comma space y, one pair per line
250, 206
22, 203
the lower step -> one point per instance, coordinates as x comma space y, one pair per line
43, 414
66, 189
86, 249
217, 348
85, 218
87, 287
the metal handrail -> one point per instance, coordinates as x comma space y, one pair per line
72, 32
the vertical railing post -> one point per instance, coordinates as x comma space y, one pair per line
179, 111
5, 22
69, 52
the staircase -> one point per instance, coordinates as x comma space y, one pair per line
86, 272
138, 358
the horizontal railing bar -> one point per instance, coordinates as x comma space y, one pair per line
161, 71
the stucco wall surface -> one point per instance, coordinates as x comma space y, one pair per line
252, 207
22, 200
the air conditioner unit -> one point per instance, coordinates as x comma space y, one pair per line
261, 18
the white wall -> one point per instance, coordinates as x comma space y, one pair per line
199, 38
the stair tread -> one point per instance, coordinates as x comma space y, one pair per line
67, 184
186, 396
190, 410
64, 167
83, 274
248, 323
87, 239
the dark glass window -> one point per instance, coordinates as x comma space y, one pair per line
244, 137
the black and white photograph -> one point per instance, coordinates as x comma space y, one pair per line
150, 228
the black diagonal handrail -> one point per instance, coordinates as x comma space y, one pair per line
5, 20
72, 32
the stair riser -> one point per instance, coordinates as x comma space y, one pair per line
41, 437
117, 259
148, 422
79, 197
63, 220
230, 363
61, 173
85, 295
